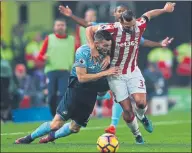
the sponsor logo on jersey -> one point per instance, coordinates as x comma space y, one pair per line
127, 43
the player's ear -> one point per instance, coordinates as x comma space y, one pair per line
121, 18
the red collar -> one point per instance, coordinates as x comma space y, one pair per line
60, 36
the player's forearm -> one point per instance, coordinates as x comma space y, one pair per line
154, 13
148, 43
91, 77
80, 21
89, 36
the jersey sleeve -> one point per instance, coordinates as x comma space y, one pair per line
109, 27
43, 49
142, 22
80, 59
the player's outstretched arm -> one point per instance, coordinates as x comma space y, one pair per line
168, 8
89, 35
66, 11
84, 77
163, 43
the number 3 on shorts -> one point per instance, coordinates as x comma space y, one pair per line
141, 83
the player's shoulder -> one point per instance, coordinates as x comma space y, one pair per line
143, 19
107, 26
84, 51
141, 22
51, 35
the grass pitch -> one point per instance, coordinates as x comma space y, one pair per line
172, 133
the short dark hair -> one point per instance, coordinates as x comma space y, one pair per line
123, 6
128, 16
103, 35
59, 19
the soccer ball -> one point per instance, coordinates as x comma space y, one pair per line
107, 143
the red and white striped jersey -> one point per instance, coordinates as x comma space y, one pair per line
127, 46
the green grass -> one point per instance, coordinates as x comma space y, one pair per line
172, 133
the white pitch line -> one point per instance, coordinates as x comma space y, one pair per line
120, 126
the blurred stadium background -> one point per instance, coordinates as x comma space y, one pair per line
25, 24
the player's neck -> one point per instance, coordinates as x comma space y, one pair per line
60, 35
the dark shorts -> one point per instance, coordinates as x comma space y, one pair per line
79, 100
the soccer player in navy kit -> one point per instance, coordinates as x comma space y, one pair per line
86, 80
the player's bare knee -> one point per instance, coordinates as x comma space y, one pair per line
140, 100
141, 103
75, 128
141, 106
56, 123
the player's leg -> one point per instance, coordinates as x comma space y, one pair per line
103, 95
65, 110
116, 114
43, 129
137, 89
66, 130
131, 120
140, 109
119, 89
52, 91
62, 83
100, 97
78, 109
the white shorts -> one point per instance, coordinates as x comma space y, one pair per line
124, 85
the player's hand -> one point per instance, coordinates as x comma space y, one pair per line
105, 63
113, 71
65, 11
166, 42
95, 55
169, 7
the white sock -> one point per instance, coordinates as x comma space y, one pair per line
134, 107
134, 127
140, 112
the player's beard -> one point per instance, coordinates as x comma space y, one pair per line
129, 30
102, 51
60, 31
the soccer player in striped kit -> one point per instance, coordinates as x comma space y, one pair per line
116, 109
127, 35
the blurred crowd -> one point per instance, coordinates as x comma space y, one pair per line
23, 82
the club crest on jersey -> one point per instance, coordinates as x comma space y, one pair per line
141, 21
82, 61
